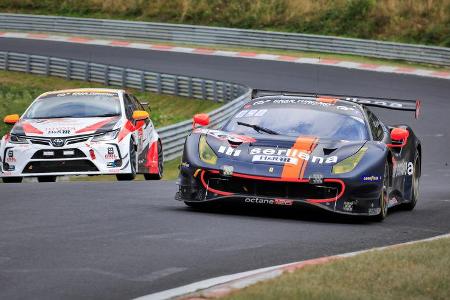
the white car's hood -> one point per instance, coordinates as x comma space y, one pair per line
62, 127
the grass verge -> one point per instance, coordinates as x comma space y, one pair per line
426, 22
18, 90
418, 271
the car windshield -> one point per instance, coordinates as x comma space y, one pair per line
298, 120
70, 105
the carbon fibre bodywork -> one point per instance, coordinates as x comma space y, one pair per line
284, 170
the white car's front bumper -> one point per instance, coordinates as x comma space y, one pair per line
91, 158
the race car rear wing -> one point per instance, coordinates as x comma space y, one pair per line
389, 103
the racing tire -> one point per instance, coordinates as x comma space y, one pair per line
12, 179
415, 184
384, 196
132, 175
160, 173
46, 178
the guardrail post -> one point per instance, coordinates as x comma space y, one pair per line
68, 63
47, 66
203, 89
86, 72
175, 85
124, 78
106, 75
215, 90
224, 92
143, 81
190, 87
27, 64
158, 83
6, 61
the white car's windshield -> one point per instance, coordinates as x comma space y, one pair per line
75, 105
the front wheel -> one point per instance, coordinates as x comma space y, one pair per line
160, 173
384, 196
46, 178
132, 175
12, 179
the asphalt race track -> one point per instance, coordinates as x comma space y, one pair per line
118, 240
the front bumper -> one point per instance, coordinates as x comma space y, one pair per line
87, 158
338, 195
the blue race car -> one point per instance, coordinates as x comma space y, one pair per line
284, 149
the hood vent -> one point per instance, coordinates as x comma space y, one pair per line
328, 151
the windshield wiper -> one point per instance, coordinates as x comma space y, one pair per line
258, 128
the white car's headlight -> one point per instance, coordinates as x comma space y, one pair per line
15, 139
107, 136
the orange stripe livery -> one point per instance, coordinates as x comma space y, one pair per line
302, 144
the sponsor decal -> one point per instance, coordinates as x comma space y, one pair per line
251, 113
316, 179
271, 170
229, 151
403, 168
227, 170
371, 178
258, 200
110, 155
64, 130
348, 205
10, 158
289, 156
185, 164
85, 94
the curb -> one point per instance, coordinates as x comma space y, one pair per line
247, 55
224, 285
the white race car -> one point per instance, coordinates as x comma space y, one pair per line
81, 131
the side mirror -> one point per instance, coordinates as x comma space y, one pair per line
11, 119
139, 115
399, 135
200, 119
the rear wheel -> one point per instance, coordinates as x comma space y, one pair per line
415, 184
384, 196
160, 173
46, 178
132, 175
12, 179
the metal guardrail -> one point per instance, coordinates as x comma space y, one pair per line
225, 36
173, 135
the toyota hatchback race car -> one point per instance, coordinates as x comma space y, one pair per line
81, 131
284, 149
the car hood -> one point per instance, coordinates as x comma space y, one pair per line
280, 150
62, 127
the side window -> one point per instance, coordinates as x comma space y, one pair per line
138, 104
375, 126
129, 107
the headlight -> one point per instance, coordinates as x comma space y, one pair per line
349, 163
207, 154
107, 136
15, 139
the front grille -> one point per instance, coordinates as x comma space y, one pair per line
40, 142
58, 154
77, 140
272, 189
81, 165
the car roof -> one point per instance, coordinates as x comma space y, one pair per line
83, 90
322, 103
